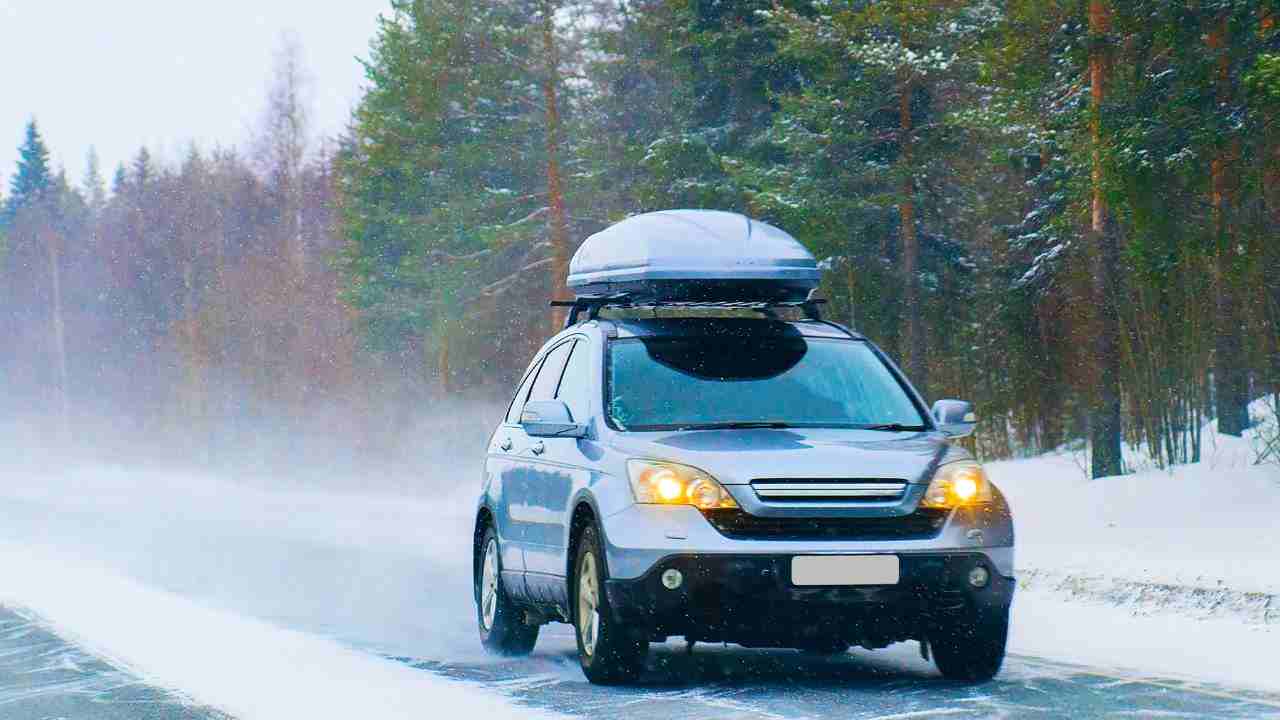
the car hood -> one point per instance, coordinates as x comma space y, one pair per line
735, 457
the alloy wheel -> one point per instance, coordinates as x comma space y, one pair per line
588, 604
489, 585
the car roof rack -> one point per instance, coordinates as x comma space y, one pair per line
593, 304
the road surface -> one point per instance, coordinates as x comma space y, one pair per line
719, 682
392, 577
43, 677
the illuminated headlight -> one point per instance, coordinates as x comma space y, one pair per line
662, 483
957, 484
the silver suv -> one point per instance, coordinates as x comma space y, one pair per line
728, 475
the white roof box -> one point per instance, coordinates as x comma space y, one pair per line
693, 255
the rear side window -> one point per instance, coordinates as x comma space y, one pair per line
576, 383
544, 387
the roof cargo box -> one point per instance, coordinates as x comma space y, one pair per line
693, 255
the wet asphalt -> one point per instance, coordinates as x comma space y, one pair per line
894, 684
44, 677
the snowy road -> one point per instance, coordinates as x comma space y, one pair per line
733, 683
43, 676
268, 604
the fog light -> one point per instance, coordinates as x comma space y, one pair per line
672, 578
979, 577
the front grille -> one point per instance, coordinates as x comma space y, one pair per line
920, 525
828, 490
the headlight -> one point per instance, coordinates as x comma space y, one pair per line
957, 484
662, 483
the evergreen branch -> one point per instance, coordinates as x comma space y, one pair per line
503, 284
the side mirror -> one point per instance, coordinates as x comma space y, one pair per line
955, 418
550, 418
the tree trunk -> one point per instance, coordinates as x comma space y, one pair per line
442, 362
197, 361
1230, 378
1104, 413
852, 287
557, 224
914, 345
1271, 196
59, 336
1271, 173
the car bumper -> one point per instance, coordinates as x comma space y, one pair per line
640, 537
750, 599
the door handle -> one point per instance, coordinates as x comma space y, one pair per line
505, 444
538, 448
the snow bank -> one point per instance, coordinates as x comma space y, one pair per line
1113, 641
1172, 572
1210, 525
248, 668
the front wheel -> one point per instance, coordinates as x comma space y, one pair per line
970, 648
503, 630
609, 653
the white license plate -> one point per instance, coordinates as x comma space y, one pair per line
845, 570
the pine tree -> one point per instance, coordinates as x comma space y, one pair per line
722, 65
92, 187
1231, 379
33, 177
868, 142
557, 222
119, 180
142, 171
43, 212
445, 179
1104, 415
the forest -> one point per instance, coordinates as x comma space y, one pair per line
1065, 211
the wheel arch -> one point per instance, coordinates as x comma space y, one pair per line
584, 514
484, 521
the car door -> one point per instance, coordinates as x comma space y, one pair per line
528, 504
507, 479
559, 466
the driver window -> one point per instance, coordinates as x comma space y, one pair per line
576, 383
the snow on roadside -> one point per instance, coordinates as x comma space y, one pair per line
380, 572
1165, 645
245, 667
1210, 525
1172, 572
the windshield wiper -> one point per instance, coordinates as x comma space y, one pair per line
745, 425
893, 427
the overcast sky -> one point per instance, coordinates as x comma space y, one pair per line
120, 74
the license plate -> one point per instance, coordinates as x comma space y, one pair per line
845, 570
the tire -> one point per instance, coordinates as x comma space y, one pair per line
970, 648
503, 630
609, 653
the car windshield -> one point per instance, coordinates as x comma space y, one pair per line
749, 380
